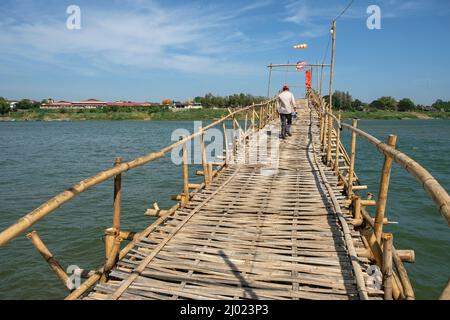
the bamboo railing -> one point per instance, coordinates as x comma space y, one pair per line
380, 246
256, 117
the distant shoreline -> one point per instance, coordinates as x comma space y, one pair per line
204, 114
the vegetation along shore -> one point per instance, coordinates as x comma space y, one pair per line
215, 107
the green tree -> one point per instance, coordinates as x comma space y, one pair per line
28, 104
4, 106
406, 104
357, 104
441, 105
384, 103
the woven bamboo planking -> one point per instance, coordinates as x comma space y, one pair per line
249, 235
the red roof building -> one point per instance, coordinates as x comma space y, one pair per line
91, 104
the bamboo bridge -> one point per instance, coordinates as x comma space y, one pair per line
300, 230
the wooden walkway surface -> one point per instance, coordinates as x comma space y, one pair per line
250, 235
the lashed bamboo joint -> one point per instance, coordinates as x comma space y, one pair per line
300, 232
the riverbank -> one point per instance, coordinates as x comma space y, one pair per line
204, 114
395, 115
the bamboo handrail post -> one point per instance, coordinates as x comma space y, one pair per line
253, 119
351, 170
49, 258
330, 134
445, 295
185, 198
204, 163
225, 138
387, 265
260, 122
233, 137
324, 130
117, 196
321, 127
357, 217
383, 190
245, 126
338, 143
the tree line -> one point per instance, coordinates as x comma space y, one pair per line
231, 101
344, 101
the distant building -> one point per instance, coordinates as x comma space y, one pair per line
176, 105
91, 104
12, 105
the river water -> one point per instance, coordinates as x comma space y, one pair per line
40, 159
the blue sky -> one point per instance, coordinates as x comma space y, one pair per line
149, 50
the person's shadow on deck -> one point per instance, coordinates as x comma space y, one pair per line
234, 269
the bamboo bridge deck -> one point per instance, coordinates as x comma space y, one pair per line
252, 235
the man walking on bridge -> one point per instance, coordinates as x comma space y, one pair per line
286, 107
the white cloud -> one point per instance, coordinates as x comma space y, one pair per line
144, 36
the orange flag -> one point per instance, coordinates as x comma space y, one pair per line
308, 79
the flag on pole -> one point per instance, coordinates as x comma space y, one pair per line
300, 65
308, 79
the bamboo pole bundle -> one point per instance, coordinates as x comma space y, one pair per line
376, 251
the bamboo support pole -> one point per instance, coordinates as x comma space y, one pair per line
383, 190
113, 255
351, 170
253, 119
445, 295
225, 138
49, 258
325, 129
357, 217
185, 199
322, 125
233, 137
329, 138
387, 266
245, 125
338, 143
204, 163
117, 195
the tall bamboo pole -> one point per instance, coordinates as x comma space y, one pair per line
185, 198
330, 122
383, 190
321, 80
351, 170
387, 265
270, 77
